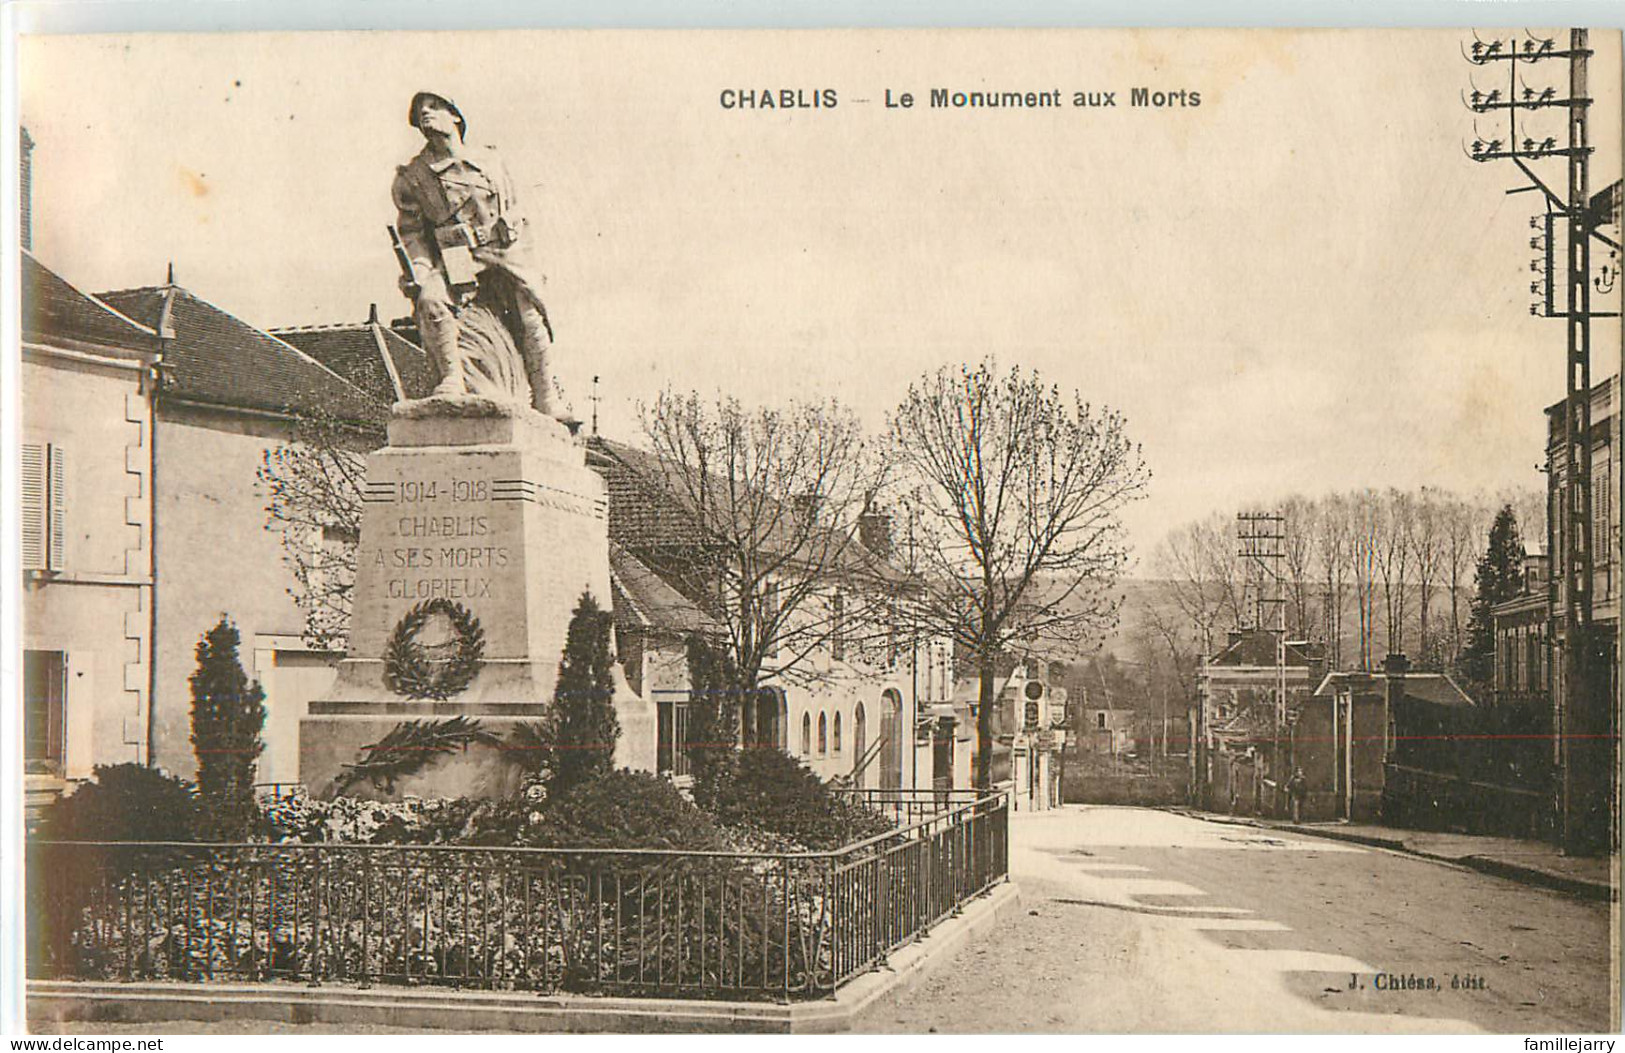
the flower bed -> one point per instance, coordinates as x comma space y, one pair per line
691, 923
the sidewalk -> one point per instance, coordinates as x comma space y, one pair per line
1530, 862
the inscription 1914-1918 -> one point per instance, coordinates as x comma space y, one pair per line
438, 543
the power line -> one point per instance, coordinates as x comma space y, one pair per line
1583, 705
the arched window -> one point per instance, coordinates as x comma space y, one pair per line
806, 734
837, 742
823, 734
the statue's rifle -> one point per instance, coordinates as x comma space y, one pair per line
409, 274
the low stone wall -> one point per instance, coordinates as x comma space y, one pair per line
1131, 789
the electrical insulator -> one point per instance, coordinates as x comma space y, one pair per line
1534, 288
1534, 309
1534, 222
1534, 242
1534, 265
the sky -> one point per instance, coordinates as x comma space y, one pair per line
1303, 284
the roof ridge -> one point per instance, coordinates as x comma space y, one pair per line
318, 328
382, 348
130, 291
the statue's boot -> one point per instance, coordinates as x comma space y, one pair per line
437, 326
534, 343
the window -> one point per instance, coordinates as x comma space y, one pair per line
44, 521
672, 735
1100, 720
806, 734
837, 733
45, 680
823, 735
837, 638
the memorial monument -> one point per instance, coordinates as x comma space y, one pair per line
482, 525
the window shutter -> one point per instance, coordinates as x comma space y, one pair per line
33, 511
59, 709
56, 510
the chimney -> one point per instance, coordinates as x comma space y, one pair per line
372, 314
806, 507
25, 188
874, 532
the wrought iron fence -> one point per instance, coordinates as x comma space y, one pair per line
906, 807
660, 923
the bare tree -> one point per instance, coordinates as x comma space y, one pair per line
1393, 549
771, 497
1465, 526
1170, 660
1197, 573
1427, 537
1333, 527
1018, 491
1365, 541
1298, 513
312, 486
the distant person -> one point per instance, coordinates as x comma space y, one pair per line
1296, 788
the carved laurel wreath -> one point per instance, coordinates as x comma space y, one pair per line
408, 671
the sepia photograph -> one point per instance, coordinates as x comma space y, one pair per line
1064, 531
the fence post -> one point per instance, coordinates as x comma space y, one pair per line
317, 923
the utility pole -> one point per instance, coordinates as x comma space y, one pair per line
1584, 720
1262, 540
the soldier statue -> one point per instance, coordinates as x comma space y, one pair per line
464, 250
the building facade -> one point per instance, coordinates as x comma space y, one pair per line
1240, 763
87, 528
1586, 722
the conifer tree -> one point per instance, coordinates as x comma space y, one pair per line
1499, 578
713, 718
228, 713
582, 726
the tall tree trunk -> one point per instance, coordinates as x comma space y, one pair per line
984, 725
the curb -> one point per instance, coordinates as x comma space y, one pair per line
62, 1003
1584, 888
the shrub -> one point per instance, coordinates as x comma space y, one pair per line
713, 718
126, 802
773, 792
228, 712
580, 730
352, 821
624, 809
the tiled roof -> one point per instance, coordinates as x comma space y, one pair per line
368, 355
351, 351
412, 364
644, 600
1437, 689
644, 514
1257, 648
221, 360
52, 307
641, 513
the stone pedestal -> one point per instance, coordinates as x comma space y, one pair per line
490, 507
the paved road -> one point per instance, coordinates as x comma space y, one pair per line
1139, 920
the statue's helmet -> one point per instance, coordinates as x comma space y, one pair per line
412, 111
